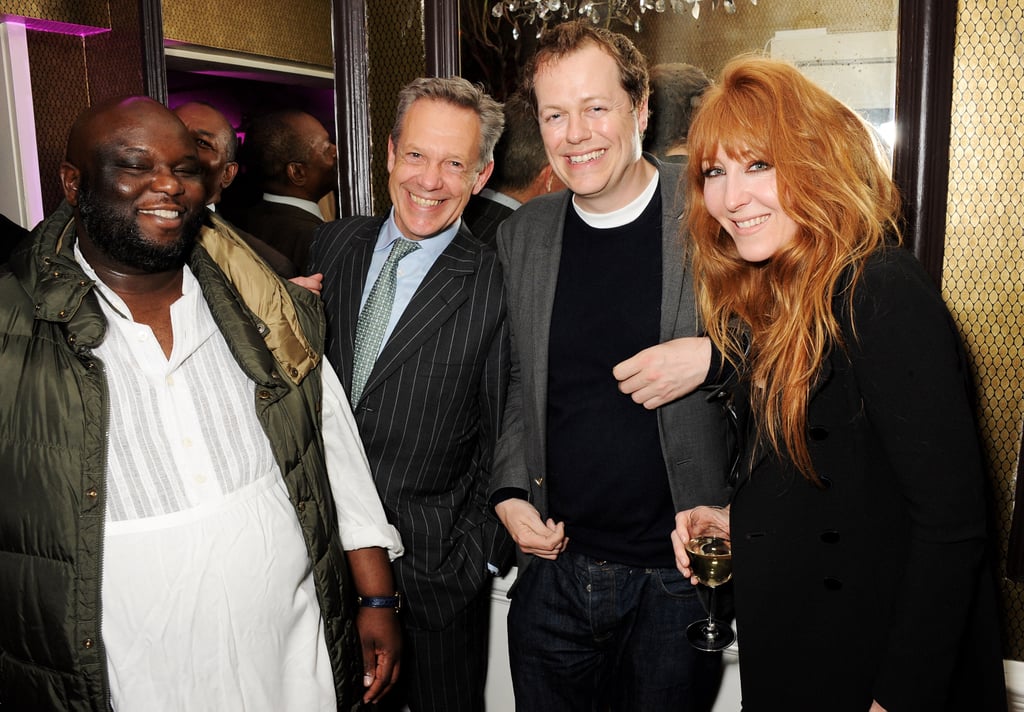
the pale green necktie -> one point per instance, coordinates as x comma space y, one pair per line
374, 318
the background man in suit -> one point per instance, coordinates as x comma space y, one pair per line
428, 399
521, 172
217, 145
295, 163
588, 480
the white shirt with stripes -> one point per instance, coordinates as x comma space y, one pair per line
207, 593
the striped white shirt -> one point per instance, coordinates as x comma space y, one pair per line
207, 592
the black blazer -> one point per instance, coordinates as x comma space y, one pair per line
875, 585
430, 411
483, 216
286, 228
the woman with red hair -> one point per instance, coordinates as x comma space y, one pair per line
858, 522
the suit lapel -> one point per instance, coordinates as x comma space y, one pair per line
446, 286
354, 258
543, 259
675, 304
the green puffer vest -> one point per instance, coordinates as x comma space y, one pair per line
53, 416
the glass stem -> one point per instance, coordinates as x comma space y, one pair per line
711, 612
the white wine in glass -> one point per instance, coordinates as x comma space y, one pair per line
711, 563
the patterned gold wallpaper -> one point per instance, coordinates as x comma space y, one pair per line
70, 72
715, 37
983, 277
297, 31
397, 56
94, 13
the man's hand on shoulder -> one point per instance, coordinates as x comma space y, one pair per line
313, 282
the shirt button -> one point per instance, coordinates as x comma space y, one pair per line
187, 442
169, 380
200, 479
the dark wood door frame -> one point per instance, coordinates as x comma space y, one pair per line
924, 100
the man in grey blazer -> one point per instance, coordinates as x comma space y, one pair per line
429, 407
603, 439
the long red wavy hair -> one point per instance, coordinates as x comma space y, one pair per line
833, 181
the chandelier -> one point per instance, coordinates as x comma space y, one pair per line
541, 12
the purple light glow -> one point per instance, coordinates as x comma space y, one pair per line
53, 26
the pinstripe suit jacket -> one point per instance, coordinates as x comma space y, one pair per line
693, 431
430, 411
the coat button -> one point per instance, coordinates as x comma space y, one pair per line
301, 506
817, 432
826, 482
87, 643
263, 395
832, 584
92, 493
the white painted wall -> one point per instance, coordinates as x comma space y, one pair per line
21, 198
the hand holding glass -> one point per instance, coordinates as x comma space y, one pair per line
711, 562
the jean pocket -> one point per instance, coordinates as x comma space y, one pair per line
674, 584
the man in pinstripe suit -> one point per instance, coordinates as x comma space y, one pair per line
431, 405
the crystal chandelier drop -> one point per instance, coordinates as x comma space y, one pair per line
541, 12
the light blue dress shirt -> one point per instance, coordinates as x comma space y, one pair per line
411, 270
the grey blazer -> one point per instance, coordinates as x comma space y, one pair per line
693, 431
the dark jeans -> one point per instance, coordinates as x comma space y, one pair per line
595, 636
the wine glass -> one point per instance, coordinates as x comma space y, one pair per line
711, 562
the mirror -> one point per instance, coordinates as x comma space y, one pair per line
922, 93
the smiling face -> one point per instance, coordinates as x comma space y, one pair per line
136, 183
434, 168
213, 135
742, 195
591, 130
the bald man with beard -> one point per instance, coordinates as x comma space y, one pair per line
171, 531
